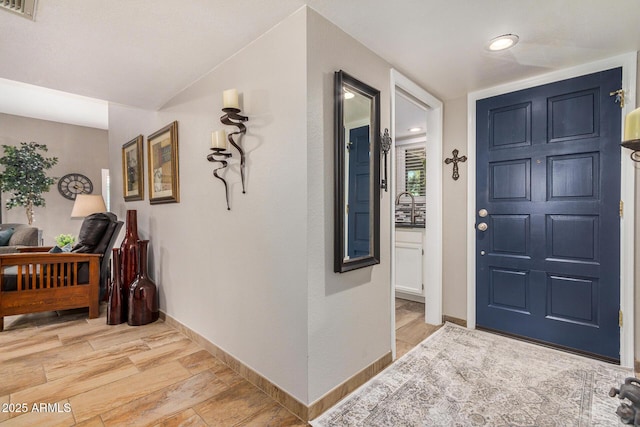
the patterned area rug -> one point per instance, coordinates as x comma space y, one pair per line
463, 377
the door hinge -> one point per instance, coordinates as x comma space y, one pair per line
621, 208
423, 252
620, 318
423, 286
619, 94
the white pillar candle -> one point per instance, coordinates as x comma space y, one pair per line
230, 99
632, 126
219, 139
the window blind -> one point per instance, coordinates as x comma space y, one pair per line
410, 168
414, 171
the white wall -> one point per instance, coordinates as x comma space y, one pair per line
78, 149
454, 245
258, 280
239, 277
349, 313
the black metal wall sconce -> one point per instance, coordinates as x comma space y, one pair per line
631, 139
218, 149
232, 117
385, 146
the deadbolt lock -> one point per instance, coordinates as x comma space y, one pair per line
482, 213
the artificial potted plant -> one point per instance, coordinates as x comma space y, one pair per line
65, 242
25, 176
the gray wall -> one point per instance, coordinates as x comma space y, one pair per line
78, 149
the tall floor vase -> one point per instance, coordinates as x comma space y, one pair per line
143, 293
115, 315
129, 257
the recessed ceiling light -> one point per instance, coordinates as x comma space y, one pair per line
415, 129
502, 42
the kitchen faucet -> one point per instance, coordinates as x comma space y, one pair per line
413, 205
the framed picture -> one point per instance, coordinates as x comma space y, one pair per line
132, 176
164, 183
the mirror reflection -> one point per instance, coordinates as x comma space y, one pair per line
357, 185
357, 174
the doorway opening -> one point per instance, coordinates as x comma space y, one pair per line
415, 183
627, 189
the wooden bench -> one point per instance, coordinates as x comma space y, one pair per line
41, 281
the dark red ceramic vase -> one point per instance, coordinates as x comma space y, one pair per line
129, 257
143, 293
115, 315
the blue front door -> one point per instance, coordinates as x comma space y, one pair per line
548, 176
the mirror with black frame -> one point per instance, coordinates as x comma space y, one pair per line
357, 174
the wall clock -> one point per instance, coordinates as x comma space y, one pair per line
73, 184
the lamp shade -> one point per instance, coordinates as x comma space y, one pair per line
87, 204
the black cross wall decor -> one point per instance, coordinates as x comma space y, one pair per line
455, 159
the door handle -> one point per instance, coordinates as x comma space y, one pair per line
482, 213
483, 226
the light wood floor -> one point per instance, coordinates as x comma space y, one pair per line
102, 375
410, 327
93, 374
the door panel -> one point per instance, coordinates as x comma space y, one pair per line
573, 176
510, 126
509, 290
573, 116
548, 173
510, 180
511, 235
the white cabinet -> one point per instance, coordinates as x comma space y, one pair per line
409, 261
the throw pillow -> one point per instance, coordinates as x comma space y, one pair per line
55, 250
5, 236
24, 236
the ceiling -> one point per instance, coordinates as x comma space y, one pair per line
143, 52
411, 118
